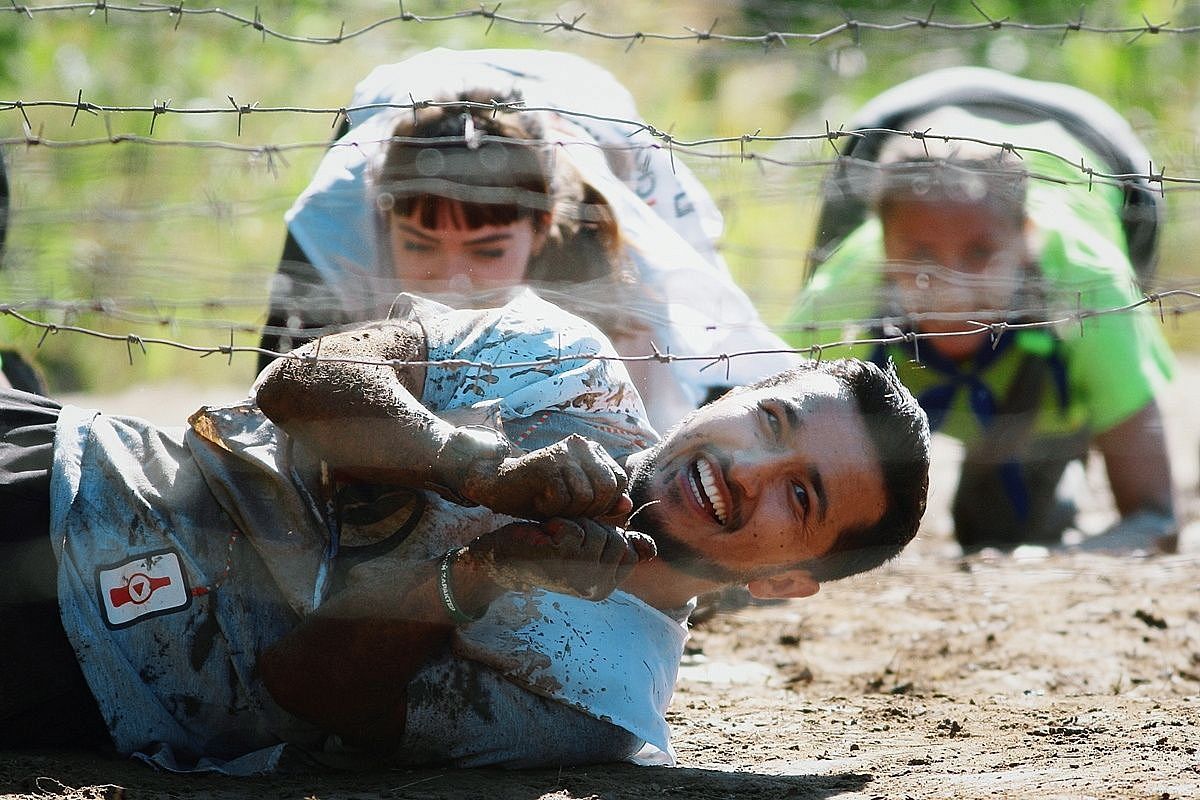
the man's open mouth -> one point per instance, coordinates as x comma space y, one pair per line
703, 482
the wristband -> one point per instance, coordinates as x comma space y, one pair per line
456, 613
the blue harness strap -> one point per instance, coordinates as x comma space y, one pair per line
937, 399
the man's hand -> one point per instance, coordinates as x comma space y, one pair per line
580, 557
573, 478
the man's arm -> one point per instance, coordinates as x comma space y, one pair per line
366, 421
347, 667
1139, 472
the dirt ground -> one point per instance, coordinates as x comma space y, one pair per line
1035, 675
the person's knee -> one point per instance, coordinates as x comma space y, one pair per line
1026, 508
978, 526
16, 372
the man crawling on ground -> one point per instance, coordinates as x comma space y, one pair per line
450, 536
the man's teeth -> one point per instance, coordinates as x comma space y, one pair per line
706, 491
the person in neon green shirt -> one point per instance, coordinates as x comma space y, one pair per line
964, 233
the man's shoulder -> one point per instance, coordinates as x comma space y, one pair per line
535, 315
530, 356
525, 313
527, 327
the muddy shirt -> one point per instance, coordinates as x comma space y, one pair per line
184, 552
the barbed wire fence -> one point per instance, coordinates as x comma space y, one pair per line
851, 28
149, 298
1088, 173
642, 136
751, 148
1161, 301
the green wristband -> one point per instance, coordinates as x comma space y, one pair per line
452, 608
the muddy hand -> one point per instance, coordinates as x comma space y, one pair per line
580, 557
573, 478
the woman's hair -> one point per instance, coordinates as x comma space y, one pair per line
489, 164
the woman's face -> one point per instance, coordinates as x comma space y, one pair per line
452, 257
964, 260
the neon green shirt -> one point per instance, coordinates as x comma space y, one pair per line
1115, 363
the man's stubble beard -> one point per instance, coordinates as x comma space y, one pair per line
650, 519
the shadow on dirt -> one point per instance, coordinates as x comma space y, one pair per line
74, 775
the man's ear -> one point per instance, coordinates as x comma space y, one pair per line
794, 583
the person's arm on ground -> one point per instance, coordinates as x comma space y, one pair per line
1139, 473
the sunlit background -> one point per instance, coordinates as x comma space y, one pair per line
176, 237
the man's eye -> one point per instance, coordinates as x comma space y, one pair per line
801, 495
416, 247
493, 253
772, 419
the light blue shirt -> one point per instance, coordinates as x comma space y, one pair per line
184, 552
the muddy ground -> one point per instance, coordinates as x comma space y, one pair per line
1035, 675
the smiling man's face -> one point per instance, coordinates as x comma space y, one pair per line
759, 481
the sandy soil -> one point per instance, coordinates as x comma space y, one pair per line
1038, 675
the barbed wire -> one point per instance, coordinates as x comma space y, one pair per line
971, 327
634, 126
149, 309
851, 28
270, 153
151, 315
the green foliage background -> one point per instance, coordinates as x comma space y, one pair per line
192, 235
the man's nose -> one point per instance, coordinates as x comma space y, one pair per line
753, 471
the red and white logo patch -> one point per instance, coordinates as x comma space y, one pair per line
146, 587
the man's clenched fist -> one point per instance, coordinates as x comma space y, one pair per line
580, 557
573, 478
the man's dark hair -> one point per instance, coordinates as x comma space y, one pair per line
899, 430
954, 170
